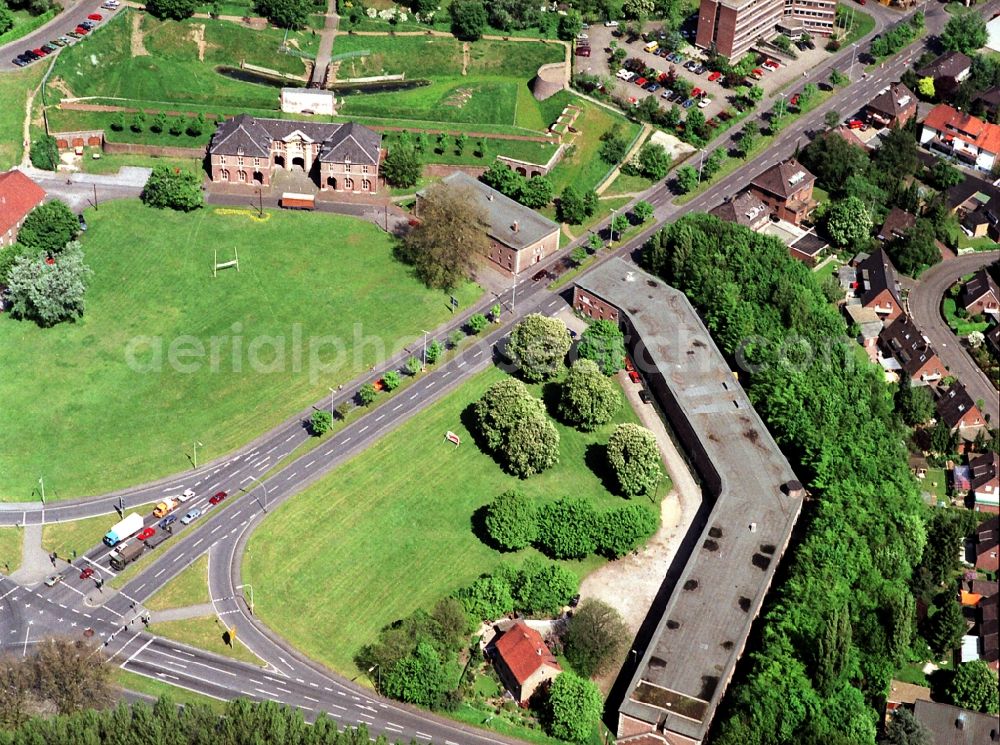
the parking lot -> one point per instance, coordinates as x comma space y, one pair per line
58, 33
771, 80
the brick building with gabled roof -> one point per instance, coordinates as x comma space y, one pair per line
896, 224
877, 287
950, 725
984, 482
19, 195
786, 188
338, 157
956, 133
523, 662
903, 342
894, 106
956, 408
744, 209
980, 294
986, 544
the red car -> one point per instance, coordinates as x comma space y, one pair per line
856, 124
714, 76
795, 100
633, 376
87, 573
82, 31
217, 498
640, 81
146, 533
40, 52
696, 93
94, 17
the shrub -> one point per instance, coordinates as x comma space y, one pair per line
510, 521
566, 528
624, 529
635, 459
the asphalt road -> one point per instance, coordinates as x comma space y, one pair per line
924, 305
74, 14
289, 677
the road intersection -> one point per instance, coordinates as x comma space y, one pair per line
75, 606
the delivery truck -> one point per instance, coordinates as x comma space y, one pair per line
125, 554
292, 201
123, 529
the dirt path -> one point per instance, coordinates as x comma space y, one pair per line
465, 58
26, 131
138, 40
198, 37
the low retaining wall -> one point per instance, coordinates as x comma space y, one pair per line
163, 151
80, 138
526, 168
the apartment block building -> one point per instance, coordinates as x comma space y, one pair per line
733, 26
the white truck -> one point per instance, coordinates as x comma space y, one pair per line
123, 529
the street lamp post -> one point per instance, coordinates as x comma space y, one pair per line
249, 587
332, 392
378, 672
854, 51
612, 237
701, 164
195, 449
262, 486
424, 365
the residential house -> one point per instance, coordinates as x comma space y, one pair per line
849, 135
787, 190
894, 106
869, 325
904, 695
246, 150
744, 209
732, 27
19, 195
896, 224
947, 71
807, 248
976, 204
980, 295
986, 545
523, 662
519, 236
957, 409
957, 134
984, 482
914, 356
992, 339
989, 100
988, 630
950, 725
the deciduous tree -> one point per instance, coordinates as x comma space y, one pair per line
975, 687
536, 193
468, 19
687, 179
567, 528
848, 223
515, 427
173, 188
477, 323
48, 293
391, 380
510, 520
946, 627
624, 529
587, 398
642, 210
595, 637
367, 394
174, 10
284, 13
49, 228
418, 678
905, 729
570, 208
320, 422
451, 232
574, 707
402, 165
965, 32
654, 162
538, 345
634, 459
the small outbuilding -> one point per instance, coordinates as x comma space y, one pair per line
523, 662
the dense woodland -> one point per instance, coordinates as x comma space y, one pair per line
843, 618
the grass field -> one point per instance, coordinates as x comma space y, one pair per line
533, 152
190, 587
104, 64
109, 163
83, 535
624, 184
24, 24
206, 633
392, 530
152, 687
14, 89
862, 24
299, 317
582, 166
11, 541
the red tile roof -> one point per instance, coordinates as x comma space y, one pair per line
523, 651
953, 123
18, 196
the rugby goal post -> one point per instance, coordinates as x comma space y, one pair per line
217, 265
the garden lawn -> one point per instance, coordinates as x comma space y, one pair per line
103, 64
961, 326
14, 89
94, 422
82, 535
190, 587
206, 633
392, 531
24, 24
582, 166
11, 542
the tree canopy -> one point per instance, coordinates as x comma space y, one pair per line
574, 707
284, 13
402, 165
595, 637
515, 427
634, 459
468, 19
975, 687
587, 398
174, 10
965, 32
538, 345
48, 293
48, 227
604, 343
510, 520
173, 188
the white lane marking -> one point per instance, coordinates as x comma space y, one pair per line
446, 373
272, 450
363, 429
310, 698
289, 437
213, 531
309, 464
345, 441
262, 466
380, 417
461, 364
431, 383
246, 479
290, 476
195, 545
414, 396
159, 573
397, 406
193, 662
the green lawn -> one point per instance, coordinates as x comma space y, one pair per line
391, 531
82, 535
490, 92
206, 633
624, 184
582, 166
299, 317
863, 24
190, 587
103, 65
961, 326
109, 163
156, 688
24, 24
14, 89
11, 541
533, 152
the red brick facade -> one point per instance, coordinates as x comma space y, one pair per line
592, 306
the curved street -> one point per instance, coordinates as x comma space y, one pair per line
924, 304
289, 677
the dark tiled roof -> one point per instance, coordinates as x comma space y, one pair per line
897, 222
983, 469
511, 223
904, 340
950, 725
352, 143
948, 65
993, 338
954, 403
980, 284
809, 244
990, 97
893, 102
960, 193
875, 274
743, 209
254, 137
783, 179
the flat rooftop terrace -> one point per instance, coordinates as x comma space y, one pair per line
690, 659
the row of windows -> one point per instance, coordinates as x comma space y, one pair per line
256, 164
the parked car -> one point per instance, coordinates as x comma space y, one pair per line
167, 521
704, 102
611, 24
633, 376
667, 94
82, 31
795, 100
688, 104
857, 124
714, 76
653, 87
757, 74
582, 37
644, 396
640, 82
695, 92
73, 34
19, 61
191, 516
583, 51
690, 65
699, 70
57, 43
711, 124
95, 17
146, 533
219, 496
87, 573
49, 48
39, 53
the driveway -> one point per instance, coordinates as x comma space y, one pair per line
74, 14
924, 303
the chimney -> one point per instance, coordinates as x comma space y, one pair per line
490, 196
515, 226
960, 722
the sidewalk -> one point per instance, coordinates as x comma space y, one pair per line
182, 614
35, 562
